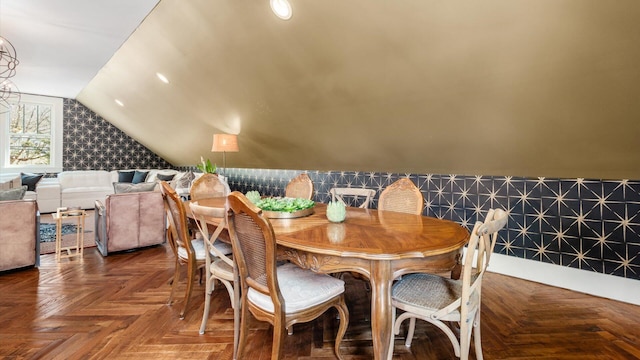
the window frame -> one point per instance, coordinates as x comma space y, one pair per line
55, 164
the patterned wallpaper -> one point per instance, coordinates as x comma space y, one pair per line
92, 143
586, 224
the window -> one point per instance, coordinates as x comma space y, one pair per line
31, 135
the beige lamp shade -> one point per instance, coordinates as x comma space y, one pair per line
225, 143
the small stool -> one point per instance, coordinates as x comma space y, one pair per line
67, 214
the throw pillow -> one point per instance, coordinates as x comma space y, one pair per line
13, 194
139, 177
185, 180
121, 188
125, 176
30, 180
163, 177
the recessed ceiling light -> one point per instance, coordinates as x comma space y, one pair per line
281, 8
119, 102
162, 78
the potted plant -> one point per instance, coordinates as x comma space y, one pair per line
206, 166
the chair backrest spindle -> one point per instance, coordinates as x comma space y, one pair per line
355, 195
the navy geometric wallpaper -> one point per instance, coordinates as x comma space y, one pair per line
92, 143
587, 224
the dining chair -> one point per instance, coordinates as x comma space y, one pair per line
217, 264
300, 186
208, 186
187, 251
401, 196
438, 299
353, 196
281, 295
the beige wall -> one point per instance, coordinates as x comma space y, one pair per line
524, 88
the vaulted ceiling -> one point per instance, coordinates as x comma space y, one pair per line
494, 87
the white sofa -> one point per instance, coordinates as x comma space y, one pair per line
83, 187
48, 194
13, 180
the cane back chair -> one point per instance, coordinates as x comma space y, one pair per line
401, 196
300, 186
281, 295
208, 186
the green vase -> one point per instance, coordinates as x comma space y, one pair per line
336, 211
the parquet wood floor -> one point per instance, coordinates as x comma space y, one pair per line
115, 308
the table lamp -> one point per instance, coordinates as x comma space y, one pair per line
225, 143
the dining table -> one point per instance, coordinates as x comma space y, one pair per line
380, 245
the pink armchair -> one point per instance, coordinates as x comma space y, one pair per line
19, 234
129, 221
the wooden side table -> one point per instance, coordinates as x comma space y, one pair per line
66, 214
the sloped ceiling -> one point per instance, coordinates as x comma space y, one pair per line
494, 87
62, 44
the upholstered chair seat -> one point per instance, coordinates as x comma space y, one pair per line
300, 289
199, 248
410, 292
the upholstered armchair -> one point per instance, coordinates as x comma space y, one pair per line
19, 234
129, 221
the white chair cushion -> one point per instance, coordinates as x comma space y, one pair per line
198, 247
223, 247
300, 288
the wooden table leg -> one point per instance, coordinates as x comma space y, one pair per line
456, 272
381, 321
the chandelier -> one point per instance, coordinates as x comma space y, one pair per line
9, 93
8, 63
8, 59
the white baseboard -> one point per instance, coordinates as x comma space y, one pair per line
588, 282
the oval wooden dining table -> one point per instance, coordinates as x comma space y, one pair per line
381, 245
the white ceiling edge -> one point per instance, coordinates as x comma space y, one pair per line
62, 44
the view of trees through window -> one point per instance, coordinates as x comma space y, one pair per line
30, 134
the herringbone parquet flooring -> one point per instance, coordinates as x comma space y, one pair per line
115, 308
